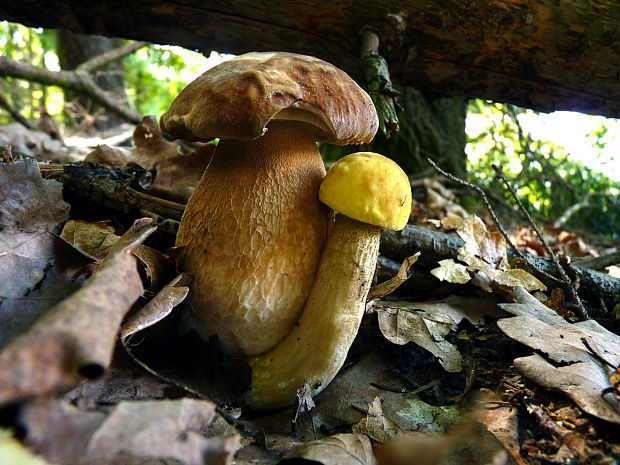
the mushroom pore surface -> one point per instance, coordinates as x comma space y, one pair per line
253, 233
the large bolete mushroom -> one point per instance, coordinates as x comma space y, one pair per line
371, 192
254, 229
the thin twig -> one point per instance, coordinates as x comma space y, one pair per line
496, 221
78, 81
109, 56
4, 103
567, 281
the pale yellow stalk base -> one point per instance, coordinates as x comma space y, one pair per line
317, 347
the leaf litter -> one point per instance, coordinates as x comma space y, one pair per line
405, 379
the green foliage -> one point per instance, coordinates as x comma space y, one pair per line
154, 74
154, 78
429, 127
548, 182
30, 46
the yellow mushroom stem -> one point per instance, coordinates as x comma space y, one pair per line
318, 345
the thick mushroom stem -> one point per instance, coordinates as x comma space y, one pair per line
253, 233
318, 345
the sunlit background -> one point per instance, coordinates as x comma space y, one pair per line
583, 150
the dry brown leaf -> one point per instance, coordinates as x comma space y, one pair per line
483, 252
56, 429
178, 172
19, 313
469, 444
578, 374
120, 383
90, 237
451, 271
456, 307
387, 287
375, 424
178, 175
156, 266
186, 430
507, 280
353, 387
110, 156
36, 267
96, 239
339, 449
427, 329
28, 202
490, 246
581, 381
503, 422
158, 307
78, 335
30, 208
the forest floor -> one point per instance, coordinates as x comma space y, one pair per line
475, 359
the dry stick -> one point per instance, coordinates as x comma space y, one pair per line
109, 56
498, 224
567, 281
79, 81
4, 103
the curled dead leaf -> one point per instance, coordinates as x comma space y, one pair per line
402, 324
339, 449
375, 424
576, 371
389, 286
76, 338
451, 271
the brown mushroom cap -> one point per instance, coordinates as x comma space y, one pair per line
238, 98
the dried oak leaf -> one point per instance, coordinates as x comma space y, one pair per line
353, 387
56, 429
158, 307
110, 156
30, 209
387, 287
402, 324
189, 431
569, 366
478, 241
451, 271
484, 253
339, 449
18, 313
76, 338
468, 444
90, 237
375, 424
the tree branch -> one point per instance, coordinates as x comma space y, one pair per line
109, 56
78, 81
4, 103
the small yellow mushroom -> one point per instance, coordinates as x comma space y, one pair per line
371, 192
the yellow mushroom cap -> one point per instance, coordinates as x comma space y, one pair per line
368, 187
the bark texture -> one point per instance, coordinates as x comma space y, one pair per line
540, 54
